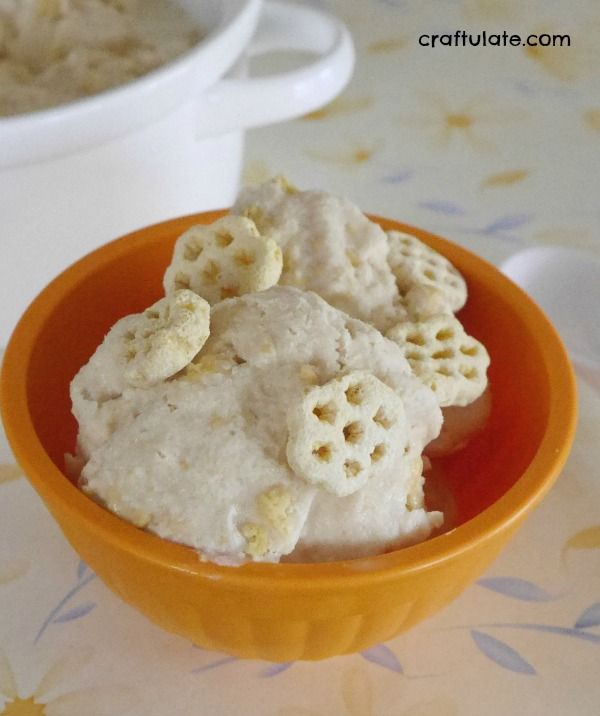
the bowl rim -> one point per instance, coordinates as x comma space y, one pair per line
504, 514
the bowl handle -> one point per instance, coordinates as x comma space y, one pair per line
242, 103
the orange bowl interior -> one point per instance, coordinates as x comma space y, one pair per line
502, 473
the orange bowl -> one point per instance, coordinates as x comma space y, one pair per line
282, 612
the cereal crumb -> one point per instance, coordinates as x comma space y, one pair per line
257, 542
274, 505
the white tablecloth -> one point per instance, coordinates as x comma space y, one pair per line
498, 149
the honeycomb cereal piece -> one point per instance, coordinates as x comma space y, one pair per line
422, 301
415, 264
226, 259
164, 338
346, 431
452, 363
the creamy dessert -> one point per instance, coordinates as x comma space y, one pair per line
258, 412
56, 51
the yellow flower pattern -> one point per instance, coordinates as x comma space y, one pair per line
9, 472
445, 121
359, 699
108, 700
350, 155
566, 63
492, 11
591, 117
506, 178
13, 569
341, 106
388, 44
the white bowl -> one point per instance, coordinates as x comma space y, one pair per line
166, 144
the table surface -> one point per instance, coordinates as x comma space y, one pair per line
497, 149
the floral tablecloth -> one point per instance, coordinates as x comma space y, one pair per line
497, 148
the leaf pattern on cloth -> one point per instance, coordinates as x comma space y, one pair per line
57, 615
382, 655
501, 653
590, 617
507, 223
442, 207
276, 669
516, 588
76, 613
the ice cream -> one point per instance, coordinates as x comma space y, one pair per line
329, 247
288, 429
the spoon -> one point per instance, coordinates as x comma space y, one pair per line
566, 285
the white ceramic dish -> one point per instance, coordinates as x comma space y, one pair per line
169, 143
566, 284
